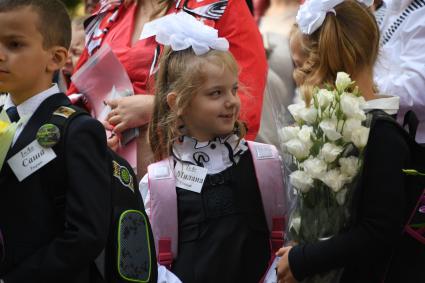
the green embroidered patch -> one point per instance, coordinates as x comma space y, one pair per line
122, 174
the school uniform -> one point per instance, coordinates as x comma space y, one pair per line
222, 231
43, 244
378, 212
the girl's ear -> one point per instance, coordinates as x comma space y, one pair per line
58, 57
171, 100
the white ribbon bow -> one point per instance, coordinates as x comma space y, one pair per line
181, 31
313, 12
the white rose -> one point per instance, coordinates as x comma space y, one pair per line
330, 152
314, 167
349, 166
289, 133
342, 81
349, 126
295, 110
308, 114
340, 196
328, 126
334, 179
298, 148
301, 181
324, 98
360, 136
305, 134
352, 105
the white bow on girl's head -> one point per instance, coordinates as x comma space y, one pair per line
313, 12
181, 31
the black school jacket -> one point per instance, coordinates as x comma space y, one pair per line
42, 245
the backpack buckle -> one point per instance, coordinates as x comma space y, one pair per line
165, 256
277, 233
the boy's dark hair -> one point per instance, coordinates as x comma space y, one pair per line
54, 21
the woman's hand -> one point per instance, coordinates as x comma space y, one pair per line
284, 273
130, 112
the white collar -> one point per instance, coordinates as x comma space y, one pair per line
216, 155
29, 106
390, 105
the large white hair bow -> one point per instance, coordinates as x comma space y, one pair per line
313, 12
182, 31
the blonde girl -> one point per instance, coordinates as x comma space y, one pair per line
342, 36
195, 133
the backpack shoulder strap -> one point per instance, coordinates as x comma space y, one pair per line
164, 222
410, 121
61, 118
268, 171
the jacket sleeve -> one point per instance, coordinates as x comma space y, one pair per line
238, 26
379, 208
87, 210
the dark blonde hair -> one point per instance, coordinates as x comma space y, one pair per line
181, 72
347, 41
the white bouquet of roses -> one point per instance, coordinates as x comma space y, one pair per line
326, 145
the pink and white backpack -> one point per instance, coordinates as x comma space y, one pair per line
163, 200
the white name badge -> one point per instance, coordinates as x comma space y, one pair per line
190, 177
30, 159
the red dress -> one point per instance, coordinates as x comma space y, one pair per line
233, 21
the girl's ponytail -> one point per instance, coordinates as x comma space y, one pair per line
347, 41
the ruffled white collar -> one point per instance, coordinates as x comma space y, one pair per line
390, 104
215, 155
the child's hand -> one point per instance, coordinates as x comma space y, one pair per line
112, 139
130, 112
284, 274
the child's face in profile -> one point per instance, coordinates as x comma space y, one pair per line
213, 110
23, 59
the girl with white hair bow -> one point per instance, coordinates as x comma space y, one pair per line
334, 36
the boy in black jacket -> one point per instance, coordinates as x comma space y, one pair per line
40, 244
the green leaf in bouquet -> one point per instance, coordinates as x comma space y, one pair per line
315, 149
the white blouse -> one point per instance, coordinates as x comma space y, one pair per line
400, 70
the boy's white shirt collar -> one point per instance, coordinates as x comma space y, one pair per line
390, 105
29, 106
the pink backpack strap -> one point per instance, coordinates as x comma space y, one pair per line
268, 171
163, 209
